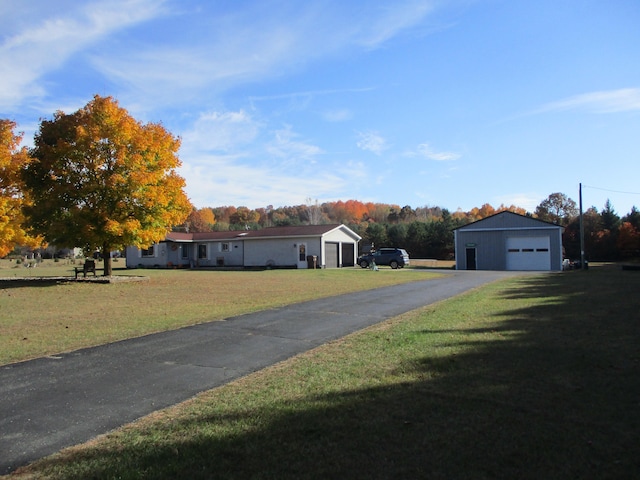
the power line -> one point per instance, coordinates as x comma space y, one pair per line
609, 190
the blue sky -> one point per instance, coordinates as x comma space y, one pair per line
424, 103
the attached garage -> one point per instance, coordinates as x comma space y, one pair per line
508, 241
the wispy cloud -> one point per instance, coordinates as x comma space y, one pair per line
609, 101
220, 132
308, 94
337, 115
219, 51
528, 201
286, 146
424, 150
213, 180
392, 19
372, 142
44, 46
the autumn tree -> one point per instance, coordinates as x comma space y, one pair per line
101, 180
557, 208
12, 199
628, 241
200, 220
350, 212
244, 217
484, 211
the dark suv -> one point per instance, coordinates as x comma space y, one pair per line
394, 257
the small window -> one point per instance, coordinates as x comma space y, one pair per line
148, 252
513, 250
224, 247
202, 251
542, 249
527, 250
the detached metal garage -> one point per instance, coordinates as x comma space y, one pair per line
508, 241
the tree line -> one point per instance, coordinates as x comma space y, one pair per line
99, 179
427, 232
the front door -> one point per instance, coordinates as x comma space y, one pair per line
471, 258
302, 255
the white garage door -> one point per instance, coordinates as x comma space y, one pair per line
528, 253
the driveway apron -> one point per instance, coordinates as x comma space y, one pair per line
61, 400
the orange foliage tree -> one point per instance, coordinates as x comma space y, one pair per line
200, 220
351, 211
628, 241
484, 211
100, 180
12, 199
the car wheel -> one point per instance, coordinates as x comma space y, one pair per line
393, 264
364, 263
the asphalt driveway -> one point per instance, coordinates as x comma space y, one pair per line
54, 402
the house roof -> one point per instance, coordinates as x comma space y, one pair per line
506, 219
270, 232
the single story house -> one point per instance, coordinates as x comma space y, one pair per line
333, 246
509, 241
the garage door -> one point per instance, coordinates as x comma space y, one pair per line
528, 253
331, 255
348, 255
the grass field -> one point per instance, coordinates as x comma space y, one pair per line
40, 318
528, 378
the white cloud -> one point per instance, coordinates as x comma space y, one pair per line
224, 48
528, 201
392, 19
338, 115
223, 180
220, 131
610, 101
371, 142
286, 147
40, 47
426, 151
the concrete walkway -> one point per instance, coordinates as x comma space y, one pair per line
54, 402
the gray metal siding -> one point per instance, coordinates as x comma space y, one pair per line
491, 247
505, 220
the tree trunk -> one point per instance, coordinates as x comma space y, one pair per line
106, 256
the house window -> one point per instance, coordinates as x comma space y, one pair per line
224, 247
202, 251
148, 252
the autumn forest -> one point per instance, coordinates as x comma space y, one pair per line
427, 232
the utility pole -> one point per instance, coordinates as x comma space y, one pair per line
582, 266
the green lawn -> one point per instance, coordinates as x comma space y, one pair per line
41, 317
528, 378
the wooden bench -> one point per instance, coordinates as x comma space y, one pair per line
89, 266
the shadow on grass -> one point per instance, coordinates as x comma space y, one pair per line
545, 389
7, 283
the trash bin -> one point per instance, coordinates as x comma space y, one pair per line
312, 261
